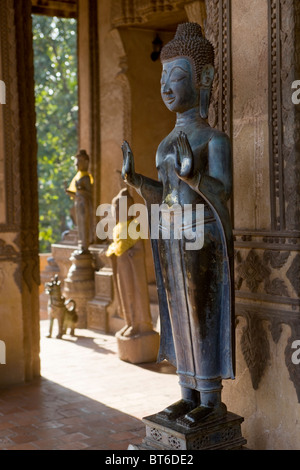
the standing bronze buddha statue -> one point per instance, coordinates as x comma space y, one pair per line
195, 286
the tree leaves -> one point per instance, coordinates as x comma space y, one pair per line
55, 62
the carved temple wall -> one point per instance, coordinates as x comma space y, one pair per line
258, 52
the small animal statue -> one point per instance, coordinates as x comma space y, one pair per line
58, 308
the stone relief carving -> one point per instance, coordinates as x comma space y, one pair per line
284, 37
218, 20
200, 442
9, 253
288, 40
275, 114
252, 271
255, 271
212, 34
255, 344
174, 442
293, 274
134, 12
156, 434
255, 347
267, 269
277, 260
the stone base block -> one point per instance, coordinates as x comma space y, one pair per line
104, 307
221, 434
97, 318
140, 348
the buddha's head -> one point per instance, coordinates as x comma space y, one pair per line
82, 161
188, 69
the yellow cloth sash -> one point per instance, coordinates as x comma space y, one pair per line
78, 176
120, 245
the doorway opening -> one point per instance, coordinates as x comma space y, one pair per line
56, 105
56, 100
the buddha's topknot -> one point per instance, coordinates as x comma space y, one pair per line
189, 42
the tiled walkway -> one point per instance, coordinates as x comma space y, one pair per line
87, 398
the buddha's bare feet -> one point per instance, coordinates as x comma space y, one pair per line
202, 414
179, 408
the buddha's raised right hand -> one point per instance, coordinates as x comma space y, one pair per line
184, 157
184, 165
128, 172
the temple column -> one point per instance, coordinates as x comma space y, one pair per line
19, 260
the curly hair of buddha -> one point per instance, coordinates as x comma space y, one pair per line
190, 42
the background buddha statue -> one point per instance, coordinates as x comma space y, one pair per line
128, 261
81, 190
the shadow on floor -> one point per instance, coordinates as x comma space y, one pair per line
88, 343
44, 415
104, 344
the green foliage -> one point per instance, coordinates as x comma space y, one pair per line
55, 65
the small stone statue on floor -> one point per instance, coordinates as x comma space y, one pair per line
58, 307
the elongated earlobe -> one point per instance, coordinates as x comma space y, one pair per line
204, 102
207, 76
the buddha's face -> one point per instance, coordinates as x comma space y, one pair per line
82, 163
178, 85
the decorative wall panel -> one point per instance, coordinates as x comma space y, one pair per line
267, 262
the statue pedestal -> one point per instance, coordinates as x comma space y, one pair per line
80, 284
139, 348
221, 434
103, 308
